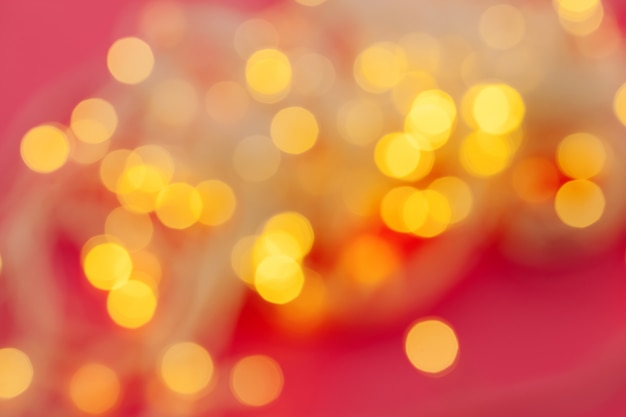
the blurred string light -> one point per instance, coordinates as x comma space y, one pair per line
312, 170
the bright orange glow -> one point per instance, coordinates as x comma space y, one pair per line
535, 179
256, 380
370, 260
130, 60
458, 194
431, 118
132, 304
495, 109
579, 203
16, 372
44, 148
398, 155
107, 265
431, 346
581, 156
179, 206
186, 368
392, 208
268, 74
484, 155
278, 279
94, 388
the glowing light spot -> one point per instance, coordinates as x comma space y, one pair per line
16, 372
268, 74
579, 203
295, 232
619, 104
132, 304
397, 155
392, 208
431, 118
256, 158
227, 102
579, 17
535, 179
179, 206
427, 213
94, 388
370, 260
254, 35
44, 148
495, 108
310, 3
380, 67
361, 121
278, 279
294, 130
93, 120
174, 102
502, 26
458, 194
134, 230
307, 310
112, 166
130, 60
431, 346
484, 155
107, 265
256, 380
581, 156
186, 368
218, 202
313, 74
405, 92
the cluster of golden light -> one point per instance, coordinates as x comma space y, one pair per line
429, 212
16, 372
431, 346
579, 17
580, 202
431, 118
496, 109
94, 388
107, 265
272, 261
256, 380
484, 155
130, 60
186, 368
380, 67
268, 75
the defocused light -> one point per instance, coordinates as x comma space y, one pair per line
392, 208
278, 279
218, 202
579, 17
227, 102
294, 130
256, 158
502, 26
256, 380
107, 265
134, 230
581, 156
431, 346
132, 304
179, 206
397, 155
484, 155
496, 109
306, 311
431, 118
94, 389
268, 74
174, 102
313, 74
458, 194
16, 372
405, 92
427, 213
535, 179
241, 258
94, 120
44, 148
310, 3
369, 260
130, 60
253, 35
295, 225
619, 104
579, 203
380, 67
186, 368
111, 168
361, 121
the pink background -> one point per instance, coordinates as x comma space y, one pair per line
534, 342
